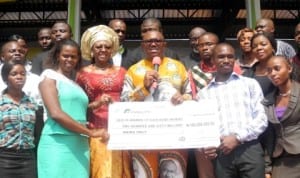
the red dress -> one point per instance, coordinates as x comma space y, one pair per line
95, 85
104, 163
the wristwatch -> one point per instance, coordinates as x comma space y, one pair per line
238, 138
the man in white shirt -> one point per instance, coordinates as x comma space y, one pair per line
12, 50
242, 119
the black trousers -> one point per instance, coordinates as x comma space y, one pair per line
245, 161
191, 171
39, 124
18, 164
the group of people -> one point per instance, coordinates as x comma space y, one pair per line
54, 112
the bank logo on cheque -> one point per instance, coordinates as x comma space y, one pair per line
130, 111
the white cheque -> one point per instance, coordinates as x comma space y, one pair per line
161, 125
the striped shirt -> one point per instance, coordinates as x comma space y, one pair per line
239, 103
17, 123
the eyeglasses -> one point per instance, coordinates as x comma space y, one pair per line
156, 41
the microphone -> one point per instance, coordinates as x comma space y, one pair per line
156, 62
152, 97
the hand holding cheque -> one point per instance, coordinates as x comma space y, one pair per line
161, 125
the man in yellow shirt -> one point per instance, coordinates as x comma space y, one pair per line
141, 76
172, 85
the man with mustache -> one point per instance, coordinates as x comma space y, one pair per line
171, 77
148, 24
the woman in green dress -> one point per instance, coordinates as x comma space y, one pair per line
63, 149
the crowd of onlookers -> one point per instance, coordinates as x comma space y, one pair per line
54, 108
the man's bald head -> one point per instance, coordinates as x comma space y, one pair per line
196, 31
265, 25
194, 34
12, 50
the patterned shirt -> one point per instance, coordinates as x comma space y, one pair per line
17, 123
170, 71
239, 102
285, 49
200, 76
